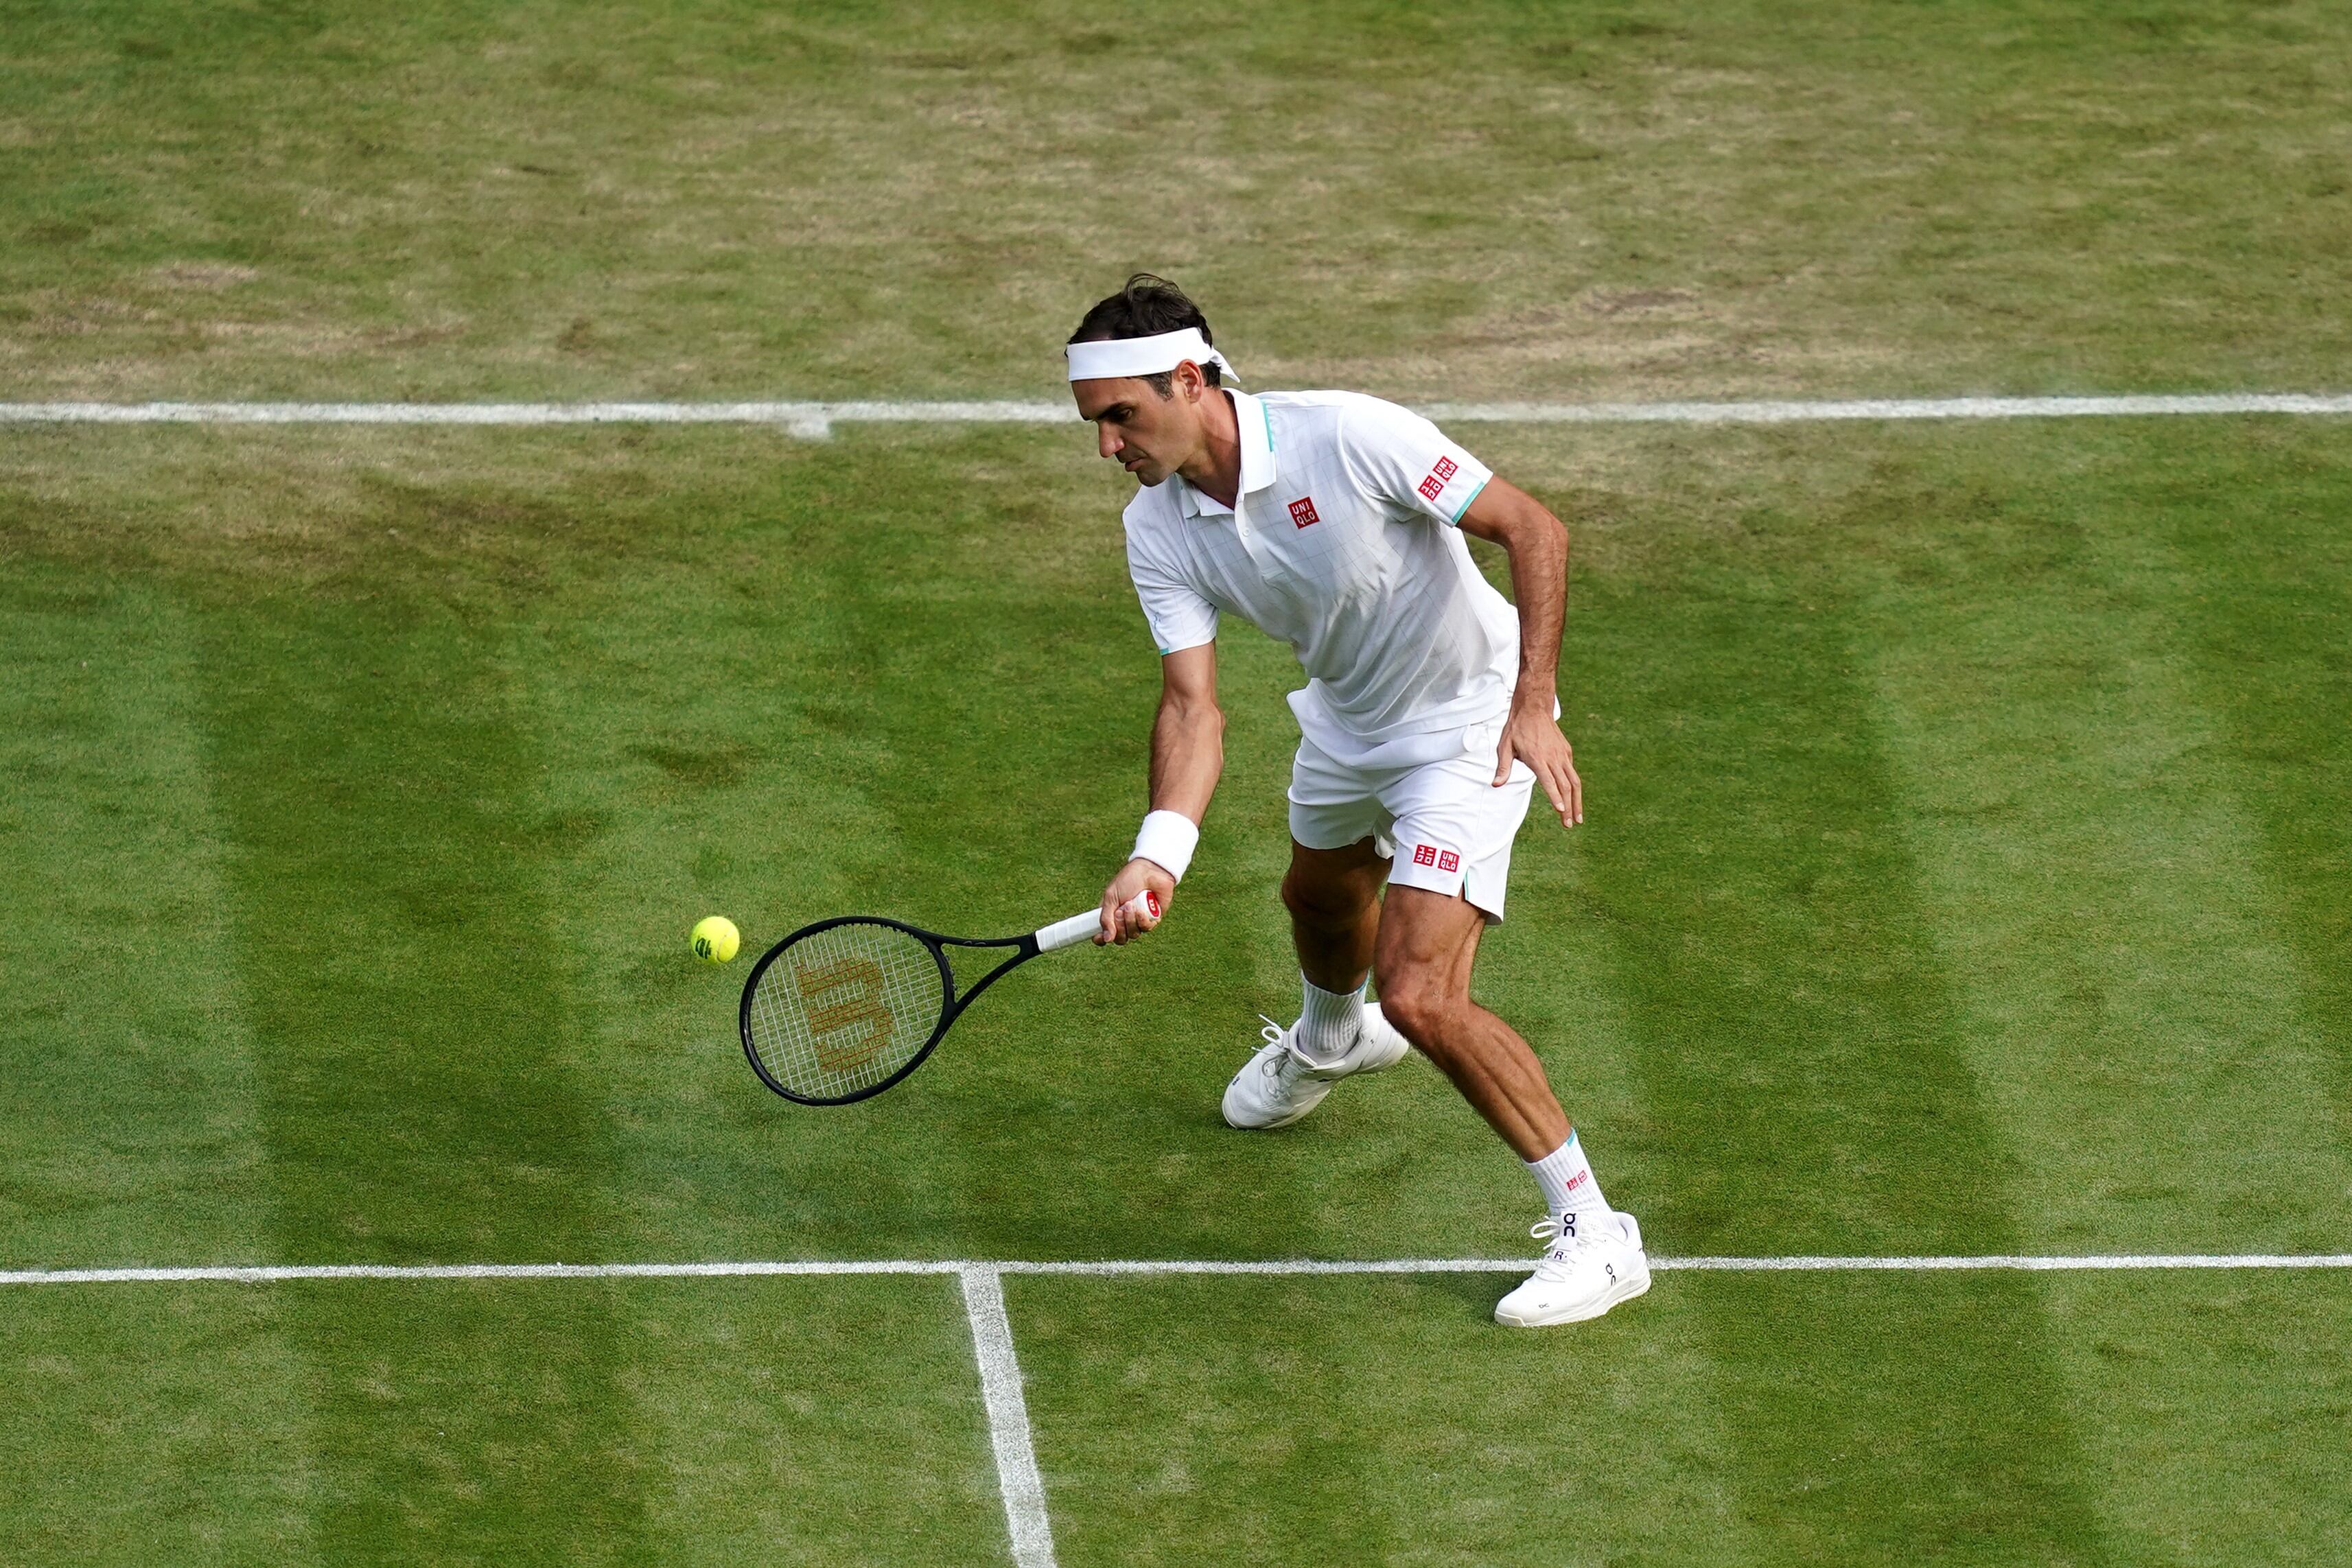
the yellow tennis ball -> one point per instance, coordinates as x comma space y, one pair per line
716, 939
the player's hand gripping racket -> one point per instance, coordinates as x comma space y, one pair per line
844, 1008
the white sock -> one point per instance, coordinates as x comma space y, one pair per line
1566, 1178
1328, 1022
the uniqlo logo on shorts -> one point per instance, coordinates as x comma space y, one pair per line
1302, 511
1448, 860
1424, 854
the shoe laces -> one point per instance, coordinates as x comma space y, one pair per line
1276, 1062
1561, 1235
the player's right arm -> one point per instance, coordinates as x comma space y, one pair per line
1188, 754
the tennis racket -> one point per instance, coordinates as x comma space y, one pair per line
843, 1009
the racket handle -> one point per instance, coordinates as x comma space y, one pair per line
1080, 929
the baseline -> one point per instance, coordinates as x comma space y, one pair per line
816, 421
265, 1274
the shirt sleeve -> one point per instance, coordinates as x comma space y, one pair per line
1402, 457
1177, 612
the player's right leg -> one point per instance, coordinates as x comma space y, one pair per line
1333, 896
1338, 864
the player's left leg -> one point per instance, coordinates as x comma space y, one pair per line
1427, 945
1453, 829
1428, 942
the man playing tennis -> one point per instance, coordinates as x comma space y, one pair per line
1333, 521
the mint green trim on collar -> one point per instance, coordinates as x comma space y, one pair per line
1470, 497
1267, 415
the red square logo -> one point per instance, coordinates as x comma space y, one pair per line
1449, 861
1424, 854
1446, 468
1302, 511
1430, 486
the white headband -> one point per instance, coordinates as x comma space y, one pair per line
1143, 356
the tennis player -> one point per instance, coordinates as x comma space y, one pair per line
1333, 521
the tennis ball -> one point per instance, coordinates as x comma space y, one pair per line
716, 939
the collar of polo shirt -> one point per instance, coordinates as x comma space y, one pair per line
1256, 427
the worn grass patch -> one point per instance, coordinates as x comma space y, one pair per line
726, 199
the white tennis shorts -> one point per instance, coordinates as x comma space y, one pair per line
1445, 824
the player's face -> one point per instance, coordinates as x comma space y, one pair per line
1149, 435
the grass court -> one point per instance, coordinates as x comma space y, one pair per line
1967, 868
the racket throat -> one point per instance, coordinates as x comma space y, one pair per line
962, 996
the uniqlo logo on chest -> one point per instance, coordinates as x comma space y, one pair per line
1302, 511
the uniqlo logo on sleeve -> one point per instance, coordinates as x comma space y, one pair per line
1302, 511
1424, 854
1430, 488
1449, 861
1446, 468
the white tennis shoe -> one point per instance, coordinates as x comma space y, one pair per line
1594, 1262
1277, 1086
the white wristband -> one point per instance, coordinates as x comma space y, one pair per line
1167, 839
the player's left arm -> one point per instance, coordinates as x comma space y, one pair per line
1535, 542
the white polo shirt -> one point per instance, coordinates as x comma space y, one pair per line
1343, 544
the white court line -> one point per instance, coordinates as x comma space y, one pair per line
1008, 1418
816, 420
267, 1274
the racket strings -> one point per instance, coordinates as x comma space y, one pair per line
842, 1009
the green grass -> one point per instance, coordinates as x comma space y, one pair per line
710, 1422
1969, 841
1959, 877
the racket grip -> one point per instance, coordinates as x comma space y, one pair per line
1080, 929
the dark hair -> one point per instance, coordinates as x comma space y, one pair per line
1149, 305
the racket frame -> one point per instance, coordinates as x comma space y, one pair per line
1024, 947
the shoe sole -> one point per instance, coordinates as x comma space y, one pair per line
1632, 1285
1268, 1127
